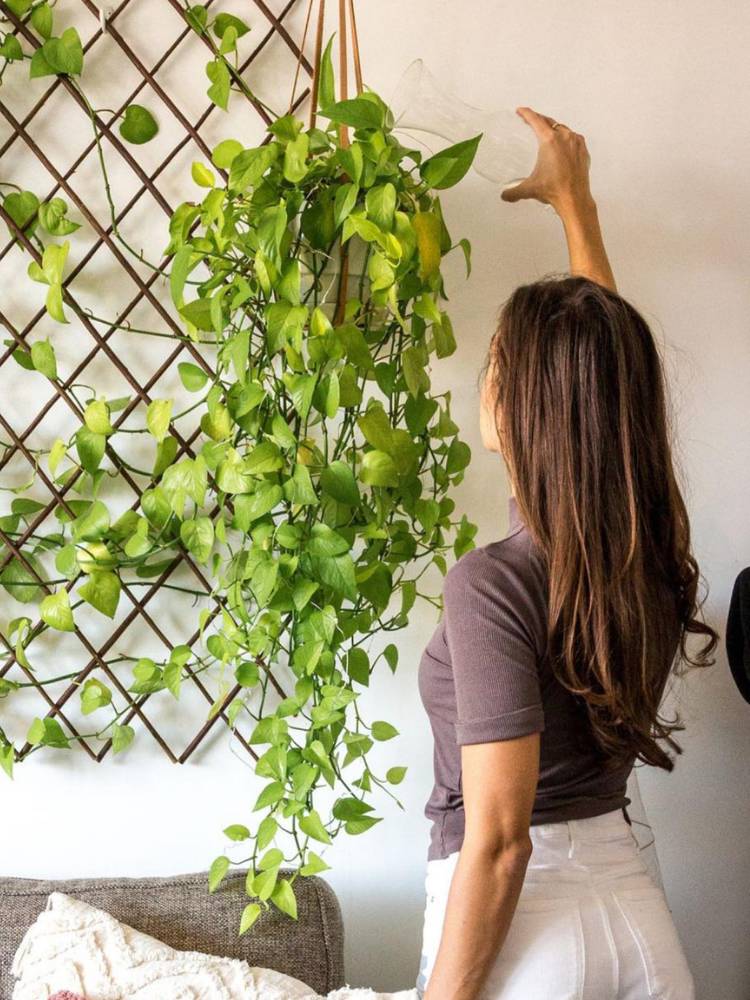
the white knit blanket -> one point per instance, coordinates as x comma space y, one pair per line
74, 946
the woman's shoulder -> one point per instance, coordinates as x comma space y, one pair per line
499, 585
506, 569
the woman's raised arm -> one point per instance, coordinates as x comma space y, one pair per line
561, 178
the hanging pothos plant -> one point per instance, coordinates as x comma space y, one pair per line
318, 493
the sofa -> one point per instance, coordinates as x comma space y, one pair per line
179, 911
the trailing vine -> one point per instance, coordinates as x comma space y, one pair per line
317, 493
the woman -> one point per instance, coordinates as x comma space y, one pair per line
543, 682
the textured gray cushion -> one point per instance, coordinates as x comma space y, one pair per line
180, 911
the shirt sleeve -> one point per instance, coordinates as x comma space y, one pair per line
491, 625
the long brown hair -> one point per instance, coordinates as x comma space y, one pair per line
582, 419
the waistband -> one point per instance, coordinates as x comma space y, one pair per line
605, 824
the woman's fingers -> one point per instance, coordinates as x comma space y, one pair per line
518, 191
562, 165
541, 124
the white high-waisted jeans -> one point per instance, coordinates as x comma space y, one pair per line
591, 922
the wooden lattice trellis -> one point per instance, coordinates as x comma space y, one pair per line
132, 76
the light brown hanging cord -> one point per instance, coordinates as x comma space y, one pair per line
344, 132
343, 58
300, 56
355, 48
344, 87
343, 69
316, 63
344, 142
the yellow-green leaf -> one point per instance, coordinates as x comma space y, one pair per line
427, 227
43, 358
217, 871
312, 825
96, 417
249, 915
314, 864
283, 897
55, 611
158, 415
202, 175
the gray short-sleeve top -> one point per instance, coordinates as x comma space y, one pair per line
484, 676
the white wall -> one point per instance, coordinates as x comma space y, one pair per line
659, 91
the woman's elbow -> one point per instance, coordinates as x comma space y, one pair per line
506, 857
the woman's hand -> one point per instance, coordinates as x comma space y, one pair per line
561, 174
561, 178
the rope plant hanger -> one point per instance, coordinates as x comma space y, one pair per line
345, 27
307, 479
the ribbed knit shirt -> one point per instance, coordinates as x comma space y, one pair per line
485, 676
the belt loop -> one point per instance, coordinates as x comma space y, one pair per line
571, 838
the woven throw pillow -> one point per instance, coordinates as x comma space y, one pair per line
86, 951
90, 954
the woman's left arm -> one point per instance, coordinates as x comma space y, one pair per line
499, 782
